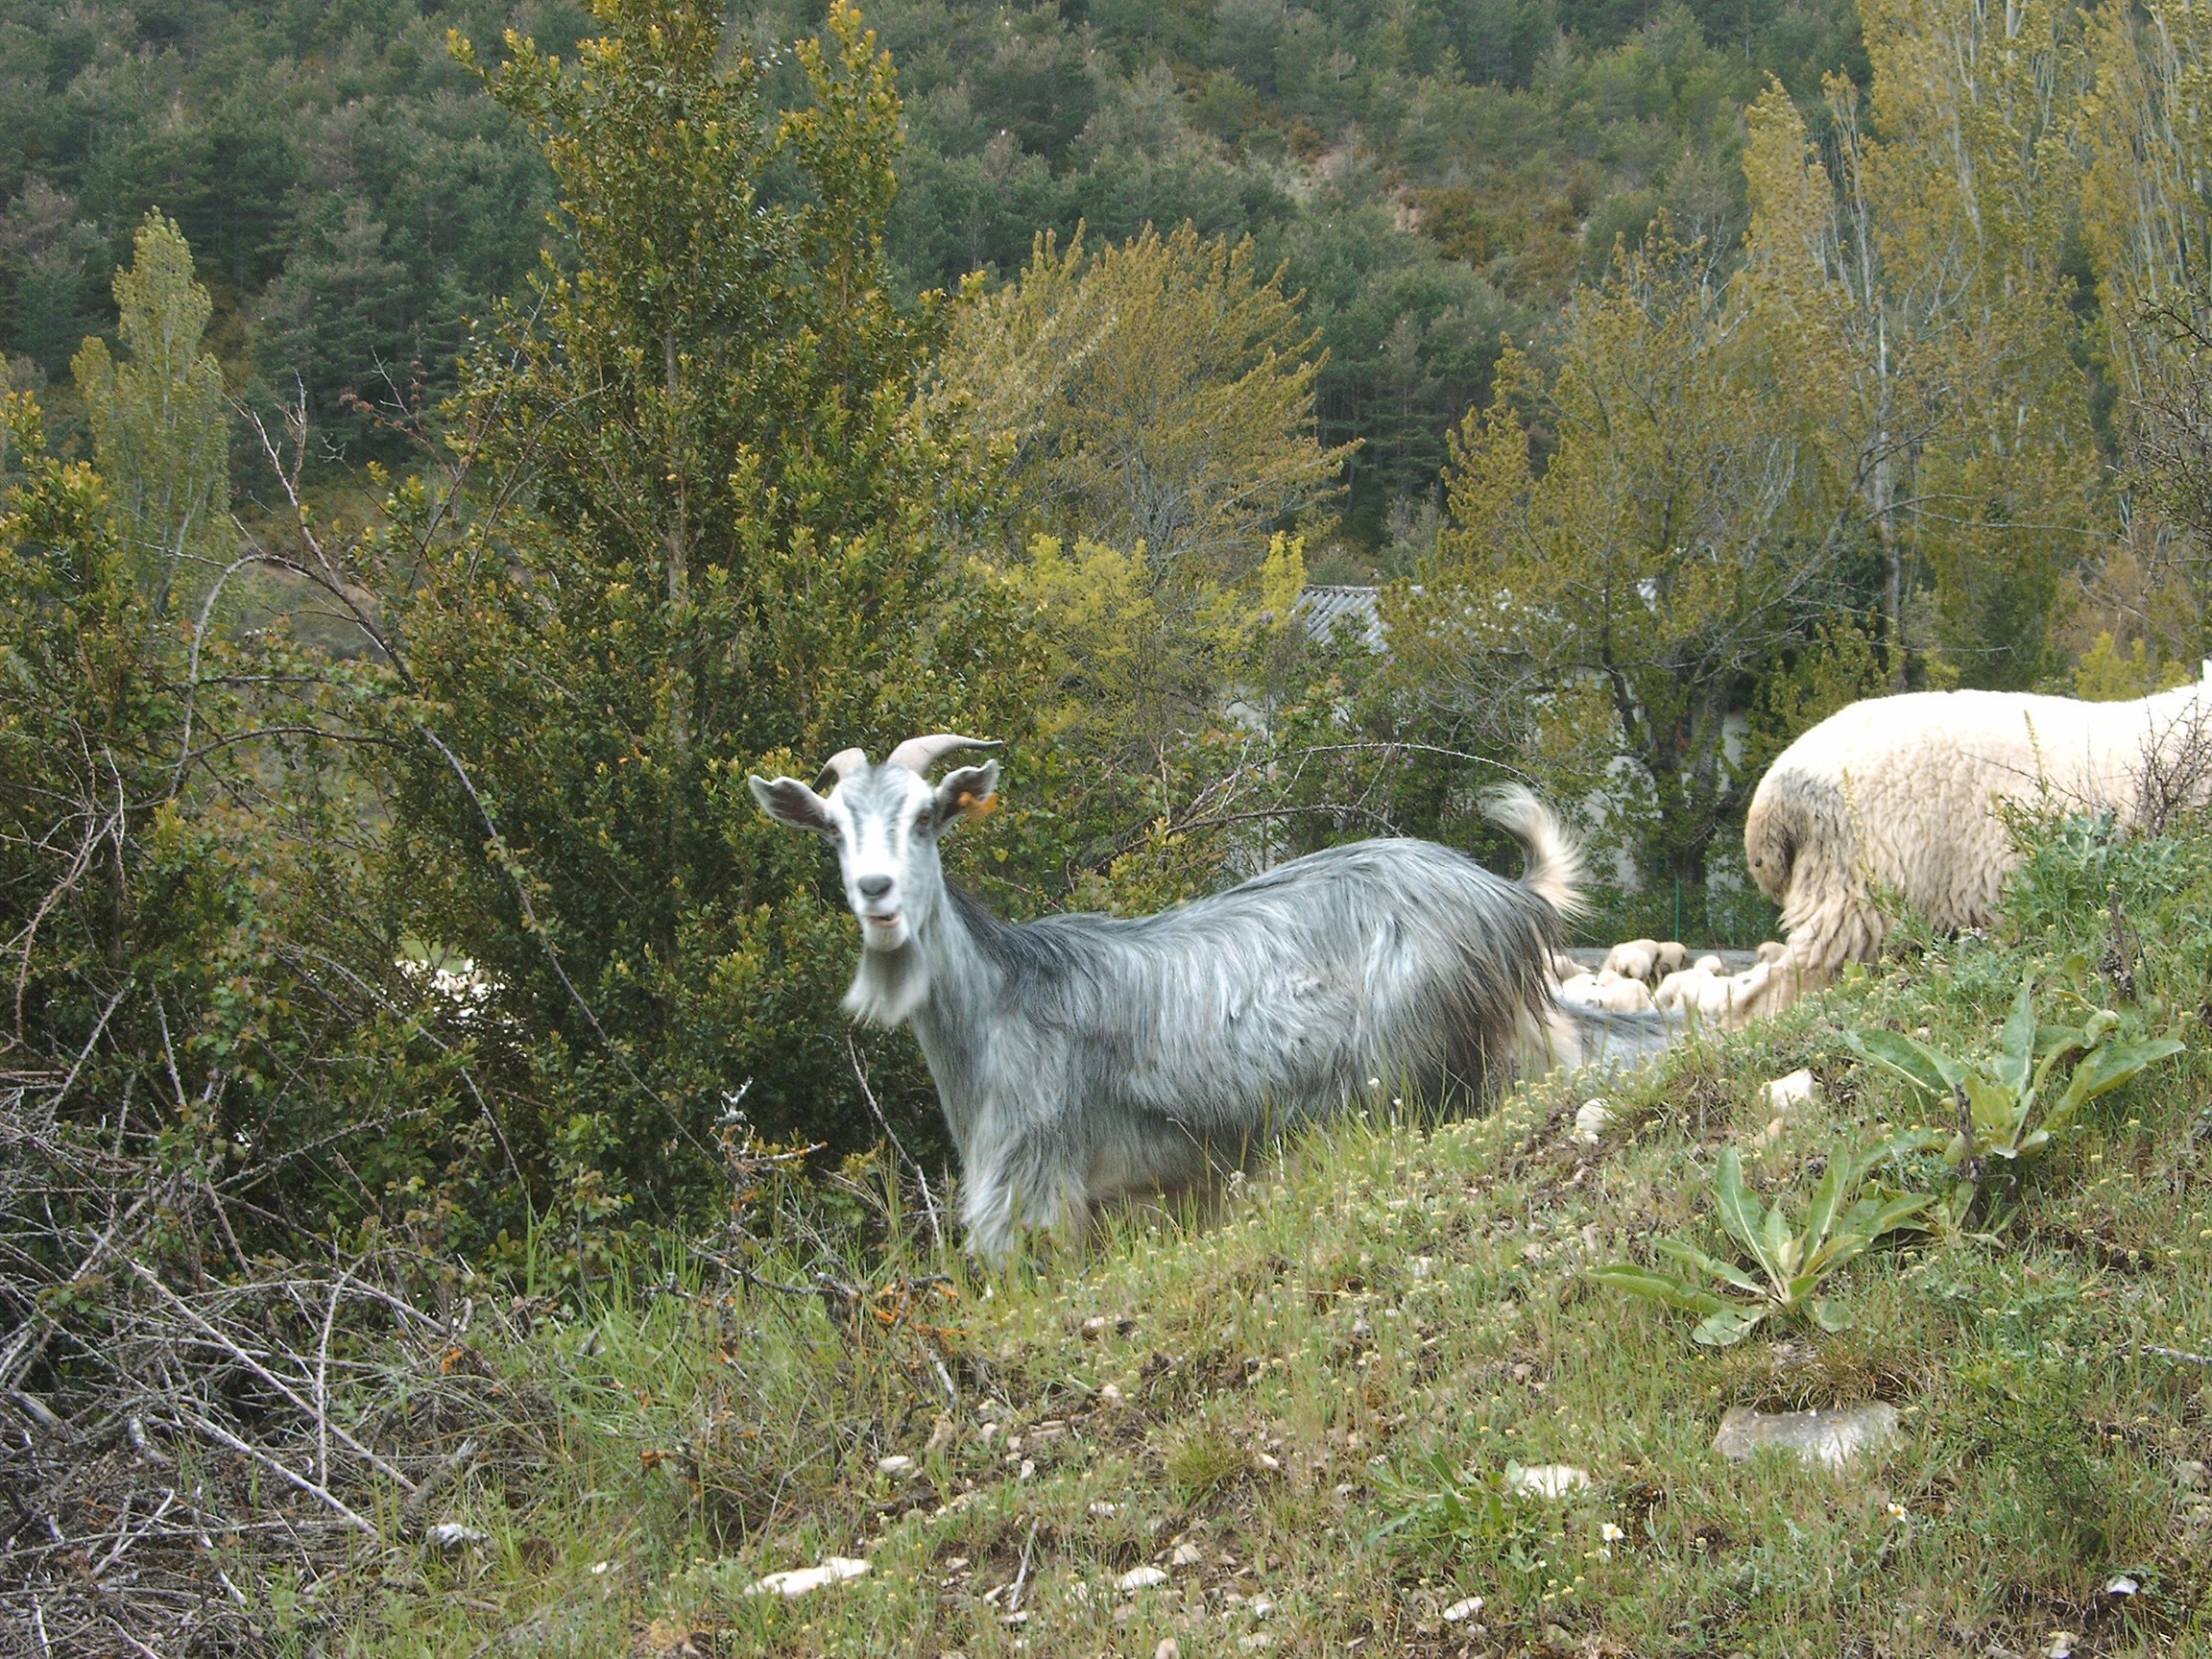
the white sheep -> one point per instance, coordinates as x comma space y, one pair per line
1614, 993
1649, 960
1901, 795
1730, 1001
1678, 990
1635, 959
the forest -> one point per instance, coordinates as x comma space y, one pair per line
1430, 178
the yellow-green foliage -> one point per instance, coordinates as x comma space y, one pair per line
1660, 555
1121, 643
2106, 674
1156, 394
160, 418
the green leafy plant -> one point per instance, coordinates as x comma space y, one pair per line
1788, 1263
2005, 1112
1434, 1505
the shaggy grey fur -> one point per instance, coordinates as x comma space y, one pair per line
1083, 1057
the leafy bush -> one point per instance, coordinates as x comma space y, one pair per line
1791, 1264
2004, 1115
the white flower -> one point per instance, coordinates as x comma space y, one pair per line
1611, 1533
1899, 1514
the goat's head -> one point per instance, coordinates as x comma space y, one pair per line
885, 821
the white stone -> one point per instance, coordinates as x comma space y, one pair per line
452, 1536
1548, 1480
1798, 1089
798, 1580
1186, 1556
1829, 1439
1459, 1612
1592, 1120
1139, 1578
898, 1463
1168, 1648
2123, 1585
1103, 1510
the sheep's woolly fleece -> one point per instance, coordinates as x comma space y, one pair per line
1901, 794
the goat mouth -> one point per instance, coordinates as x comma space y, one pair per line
891, 921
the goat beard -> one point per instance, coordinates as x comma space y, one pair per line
889, 987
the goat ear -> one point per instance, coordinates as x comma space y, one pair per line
790, 801
971, 792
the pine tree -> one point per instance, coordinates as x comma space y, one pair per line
704, 530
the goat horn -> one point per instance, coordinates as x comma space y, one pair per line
840, 766
919, 754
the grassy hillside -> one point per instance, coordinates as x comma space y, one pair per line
1304, 1411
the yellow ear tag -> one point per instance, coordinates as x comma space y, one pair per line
976, 810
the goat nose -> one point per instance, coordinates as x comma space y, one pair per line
873, 886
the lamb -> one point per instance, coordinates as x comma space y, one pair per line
1636, 959
1606, 990
1081, 1058
1902, 795
1649, 960
1705, 992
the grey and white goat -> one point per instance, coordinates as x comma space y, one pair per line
1079, 1058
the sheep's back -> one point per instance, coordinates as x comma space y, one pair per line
1906, 790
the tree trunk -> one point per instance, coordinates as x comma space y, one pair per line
678, 542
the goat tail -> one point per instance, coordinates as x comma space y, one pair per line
1554, 872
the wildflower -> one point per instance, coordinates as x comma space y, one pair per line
1611, 1533
1899, 1514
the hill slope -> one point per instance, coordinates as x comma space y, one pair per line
1294, 1430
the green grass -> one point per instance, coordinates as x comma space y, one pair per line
1302, 1407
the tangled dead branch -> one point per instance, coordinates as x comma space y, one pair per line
192, 1449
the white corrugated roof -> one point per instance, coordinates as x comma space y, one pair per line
1324, 606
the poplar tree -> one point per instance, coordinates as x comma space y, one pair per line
1612, 605
1153, 394
1974, 183
2147, 127
159, 420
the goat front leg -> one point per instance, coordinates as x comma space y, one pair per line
1028, 1181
